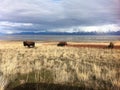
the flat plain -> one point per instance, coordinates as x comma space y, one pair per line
84, 67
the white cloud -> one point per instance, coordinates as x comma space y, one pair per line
11, 24
36, 10
101, 28
8, 31
59, 15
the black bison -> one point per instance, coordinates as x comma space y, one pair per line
29, 43
62, 44
111, 45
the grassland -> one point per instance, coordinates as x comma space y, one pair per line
93, 68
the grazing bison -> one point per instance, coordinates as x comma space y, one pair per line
29, 43
111, 45
62, 44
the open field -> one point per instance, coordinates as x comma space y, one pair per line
89, 44
70, 67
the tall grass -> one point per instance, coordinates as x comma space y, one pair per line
88, 67
3, 82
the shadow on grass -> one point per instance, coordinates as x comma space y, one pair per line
44, 86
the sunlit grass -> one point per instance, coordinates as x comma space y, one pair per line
88, 67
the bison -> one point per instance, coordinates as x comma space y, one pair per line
111, 45
62, 44
29, 43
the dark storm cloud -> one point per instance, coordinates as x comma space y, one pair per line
56, 14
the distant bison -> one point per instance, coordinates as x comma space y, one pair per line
29, 43
62, 44
111, 45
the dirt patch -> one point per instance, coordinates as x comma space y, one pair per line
90, 45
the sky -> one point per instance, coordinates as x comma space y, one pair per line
59, 16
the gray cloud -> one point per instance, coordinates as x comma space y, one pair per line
57, 14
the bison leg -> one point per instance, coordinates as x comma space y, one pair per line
29, 46
32, 46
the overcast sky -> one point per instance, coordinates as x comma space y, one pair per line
59, 15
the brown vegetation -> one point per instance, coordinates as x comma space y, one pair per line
86, 67
103, 46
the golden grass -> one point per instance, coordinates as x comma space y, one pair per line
88, 67
3, 82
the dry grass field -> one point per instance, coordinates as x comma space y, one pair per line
89, 68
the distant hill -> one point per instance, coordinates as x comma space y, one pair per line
54, 33
67, 33
114, 33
